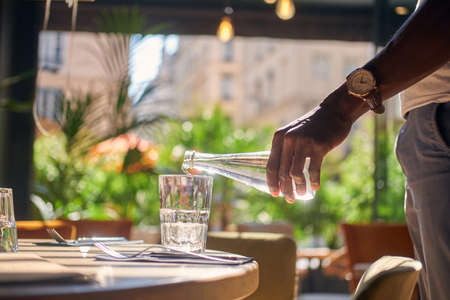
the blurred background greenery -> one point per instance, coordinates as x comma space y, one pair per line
82, 171
113, 186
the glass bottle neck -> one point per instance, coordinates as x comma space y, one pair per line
249, 159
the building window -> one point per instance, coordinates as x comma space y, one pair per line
227, 87
228, 51
321, 66
50, 50
49, 102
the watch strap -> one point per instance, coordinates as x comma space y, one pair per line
374, 101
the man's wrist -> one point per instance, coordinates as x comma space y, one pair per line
347, 107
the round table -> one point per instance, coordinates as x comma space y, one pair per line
132, 280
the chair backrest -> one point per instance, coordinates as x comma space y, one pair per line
390, 277
38, 229
368, 242
90, 228
276, 257
280, 227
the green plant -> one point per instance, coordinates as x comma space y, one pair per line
346, 194
71, 186
211, 132
74, 184
10, 104
85, 189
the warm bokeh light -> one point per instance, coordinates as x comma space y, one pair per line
225, 32
401, 10
285, 9
113, 152
270, 1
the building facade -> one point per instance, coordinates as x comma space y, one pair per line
256, 80
70, 64
260, 80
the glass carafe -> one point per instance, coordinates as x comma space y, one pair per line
247, 168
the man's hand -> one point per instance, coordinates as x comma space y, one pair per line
313, 135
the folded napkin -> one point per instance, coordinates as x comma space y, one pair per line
23, 267
167, 257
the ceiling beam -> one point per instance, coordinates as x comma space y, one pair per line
312, 21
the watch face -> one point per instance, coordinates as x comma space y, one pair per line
361, 82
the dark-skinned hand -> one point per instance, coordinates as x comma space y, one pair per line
313, 135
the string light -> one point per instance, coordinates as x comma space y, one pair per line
401, 10
270, 1
225, 32
285, 9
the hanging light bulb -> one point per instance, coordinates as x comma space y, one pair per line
270, 1
225, 32
285, 9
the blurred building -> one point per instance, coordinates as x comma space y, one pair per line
259, 80
256, 80
67, 63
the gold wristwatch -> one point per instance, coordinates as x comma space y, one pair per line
362, 84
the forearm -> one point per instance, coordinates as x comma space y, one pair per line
418, 48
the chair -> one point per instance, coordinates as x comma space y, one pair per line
38, 229
279, 227
150, 234
276, 257
390, 277
90, 228
366, 243
336, 264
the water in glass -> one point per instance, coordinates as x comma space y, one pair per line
8, 236
8, 231
184, 229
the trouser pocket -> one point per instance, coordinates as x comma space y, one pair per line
442, 121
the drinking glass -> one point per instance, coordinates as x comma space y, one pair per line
8, 231
184, 211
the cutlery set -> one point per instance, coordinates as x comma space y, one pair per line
160, 253
86, 241
152, 253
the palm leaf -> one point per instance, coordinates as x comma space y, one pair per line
15, 79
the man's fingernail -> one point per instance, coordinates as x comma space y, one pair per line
289, 199
300, 189
274, 191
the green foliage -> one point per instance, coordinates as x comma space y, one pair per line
63, 181
391, 206
346, 194
74, 184
82, 188
211, 132
347, 185
11, 104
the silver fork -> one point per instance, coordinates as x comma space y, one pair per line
116, 254
57, 237
88, 241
